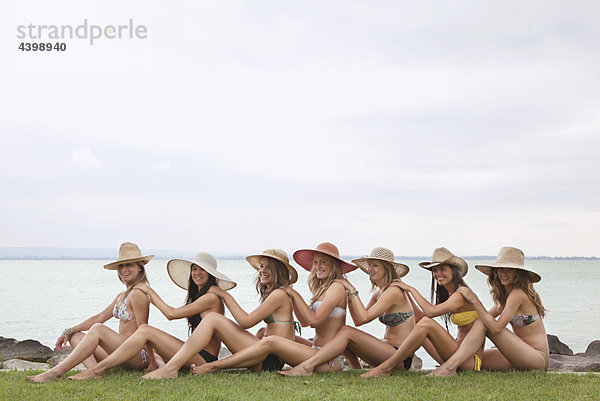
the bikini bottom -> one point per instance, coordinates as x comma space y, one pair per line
272, 363
407, 362
208, 357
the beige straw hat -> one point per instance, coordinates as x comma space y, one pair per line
509, 258
278, 255
442, 256
179, 270
128, 253
384, 254
304, 257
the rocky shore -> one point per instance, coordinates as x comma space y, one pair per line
31, 354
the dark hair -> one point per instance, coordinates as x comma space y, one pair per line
442, 294
193, 294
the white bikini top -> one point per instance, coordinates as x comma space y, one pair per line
337, 311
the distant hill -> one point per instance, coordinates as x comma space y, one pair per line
25, 253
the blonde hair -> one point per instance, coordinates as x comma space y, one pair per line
391, 274
522, 281
141, 278
317, 286
280, 276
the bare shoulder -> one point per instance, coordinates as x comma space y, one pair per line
517, 293
137, 295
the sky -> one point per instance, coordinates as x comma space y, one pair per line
237, 126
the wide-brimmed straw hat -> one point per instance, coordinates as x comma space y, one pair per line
180, 269
304, 257
128, 253
384, 254
442, 256
277, 254
510, 258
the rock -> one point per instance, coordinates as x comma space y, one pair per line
59, 356
574, 363
29, 350
224, 353
593, 349
417, 363
19, 364
558, 347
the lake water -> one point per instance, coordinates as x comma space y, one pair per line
40, 298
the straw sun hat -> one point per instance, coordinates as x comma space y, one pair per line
128, 253
278, 255
384, 254
509, 258
179, 270
442, 256
304, 257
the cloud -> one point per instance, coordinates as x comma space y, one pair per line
164, 166
84, 158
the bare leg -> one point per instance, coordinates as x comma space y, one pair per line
473, 341
232, 335
93, 359
98, 335
163, 343
517, 352
289, 351
426, 328
369, 348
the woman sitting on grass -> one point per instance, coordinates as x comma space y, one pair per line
389, 303
131, 308
196, 276
516, 302
447, 277
327, 314
274, 273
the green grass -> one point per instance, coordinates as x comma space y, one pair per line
242, 385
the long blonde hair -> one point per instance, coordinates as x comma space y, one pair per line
141, 278
317, 286
391, 274
280, 276
522, 281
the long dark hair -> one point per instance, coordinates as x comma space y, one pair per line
442, 294
193, 294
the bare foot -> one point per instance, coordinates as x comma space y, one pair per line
441, 372
44, 377
375, 372
298, 371
204, 368
85, 374
162, 373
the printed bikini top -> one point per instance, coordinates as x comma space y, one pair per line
394, 319
121, 312
524, 320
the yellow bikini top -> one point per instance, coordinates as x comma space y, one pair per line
464, 318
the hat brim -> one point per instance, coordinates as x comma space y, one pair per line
304, 257
115, 265
179, 271
455, 261
487, 269
254, 261
362, 264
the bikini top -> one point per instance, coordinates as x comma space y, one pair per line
121, 312
271, 319
523, 320
337, 311
464, 318
394, 319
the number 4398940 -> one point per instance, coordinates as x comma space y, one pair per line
42, 47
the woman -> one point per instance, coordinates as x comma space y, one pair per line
515, 302
196, 276
447, 277
274, 273
327, 314
131, 308
389, 303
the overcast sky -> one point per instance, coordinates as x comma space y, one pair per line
235, 127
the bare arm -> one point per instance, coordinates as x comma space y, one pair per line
452, 304
101, 317
513, 302
141, 309
362, 315
301, 309
245, 319
204, 303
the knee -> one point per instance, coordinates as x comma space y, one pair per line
269, 342
346, 331
96, 328
211, 317
425, 323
